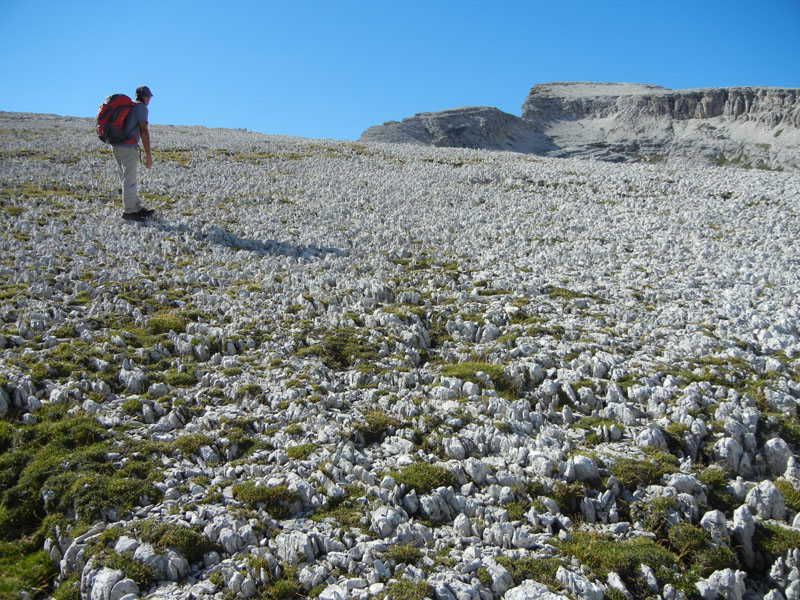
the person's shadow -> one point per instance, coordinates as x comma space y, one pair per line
219, 235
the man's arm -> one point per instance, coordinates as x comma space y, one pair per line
145, 135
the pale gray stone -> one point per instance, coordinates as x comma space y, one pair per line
333, 592
727, 584
777, 454
230, 540
292, 545
766, 501
715, 523
123, 588
581, 468
532, 590
579, 586
103, 583
462, 525
744, 528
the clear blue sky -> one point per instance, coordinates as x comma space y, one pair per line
331, 69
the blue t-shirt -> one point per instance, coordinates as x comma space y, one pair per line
138, 115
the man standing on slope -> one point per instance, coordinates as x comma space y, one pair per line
127, 156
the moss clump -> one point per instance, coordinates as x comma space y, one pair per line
542, 570
694, 548
376, 426
590, 424
190, 444
468, 372
300, 452
32, 573
718, 495
343, 510
343, 348
71, 357
182, 379
132, 569
70, 589
166, 322
654, 514
603, 554
404, 553
674, 433
791, 495
58, 470
423, 477
132, 406
6, 435
775, 539
409, 590
189, 541
632, 472
567, 294
60, 465
568, 496
278, 501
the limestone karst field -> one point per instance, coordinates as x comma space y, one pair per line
338, 370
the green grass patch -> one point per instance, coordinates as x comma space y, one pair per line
404, 553
180, 156
300, 452
181, 379
424, 477
775, 539
278, 501
60, 465
791, 496
693, 547
376, 425
590, 424
467, 371
191, 443
541, 570
166, 322
409, 590
33, 573
633, 472
343, 348
654, 514
343, 510
189, 541
556, 292
604, 554
719, 497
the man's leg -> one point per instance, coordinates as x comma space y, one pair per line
127, 161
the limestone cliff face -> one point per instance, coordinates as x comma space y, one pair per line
770, 107
741, 126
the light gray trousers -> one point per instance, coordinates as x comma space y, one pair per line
127, 161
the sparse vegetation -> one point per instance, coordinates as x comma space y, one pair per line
280, 349
278, 501
424, 477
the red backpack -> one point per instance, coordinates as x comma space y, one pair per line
111, 119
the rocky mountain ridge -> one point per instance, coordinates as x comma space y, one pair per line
741, 126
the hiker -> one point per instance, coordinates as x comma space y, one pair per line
127, 156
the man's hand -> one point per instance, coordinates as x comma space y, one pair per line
145, 135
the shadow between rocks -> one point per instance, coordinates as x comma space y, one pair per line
214, 234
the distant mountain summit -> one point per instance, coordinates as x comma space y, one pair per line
748, 127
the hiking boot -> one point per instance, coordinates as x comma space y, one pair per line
139, 215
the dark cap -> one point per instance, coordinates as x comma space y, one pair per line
143, 91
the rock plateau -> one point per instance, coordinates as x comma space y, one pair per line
748, 127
